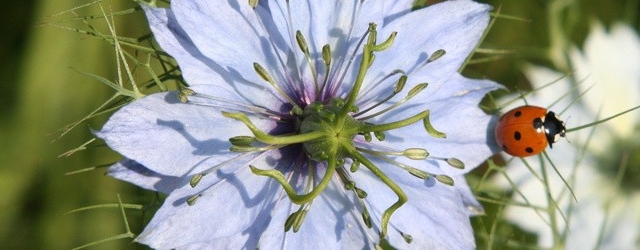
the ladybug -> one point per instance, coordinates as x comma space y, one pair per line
527, 130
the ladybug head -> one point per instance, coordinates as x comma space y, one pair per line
553, 128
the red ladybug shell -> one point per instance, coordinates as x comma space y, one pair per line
527, 130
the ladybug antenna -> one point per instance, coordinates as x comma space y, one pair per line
601, 121
566, 121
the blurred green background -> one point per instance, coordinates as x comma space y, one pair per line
41, 93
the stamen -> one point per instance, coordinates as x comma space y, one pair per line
354, 166
418, 173
412, 93
195, 180
296, 218
416, 153
407, 238
379, 135
368, 50
436, 55
413, 171
242, 140
326, 57
184, 94
366, 217
262, 72
398, 87
192, 199
455, 163
253, 3
221, 103
361, 194
244, 149
198, 177
302, 44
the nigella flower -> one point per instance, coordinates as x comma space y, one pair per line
309, 125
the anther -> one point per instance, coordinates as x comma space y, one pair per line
326, 55
242, 140
192, 199
436, 55
354, 166
445, 179
416, 153
379, 135
418, 173
400, 84
366, 217
295, 219
302, 43
367, 136
262, 72
455, 163
407, 238
184, 94
361, 193
416, 89
253, 3
195, 180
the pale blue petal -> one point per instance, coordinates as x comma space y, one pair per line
454, 26
339, 24
131, 171
472, 205
330, 224
434, 214
172, 138
233, 202
454, 111
199, 69
229, 33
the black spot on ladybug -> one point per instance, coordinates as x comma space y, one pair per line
529, 150
517, 135
517, 114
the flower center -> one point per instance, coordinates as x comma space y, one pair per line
327, 129
337, 137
